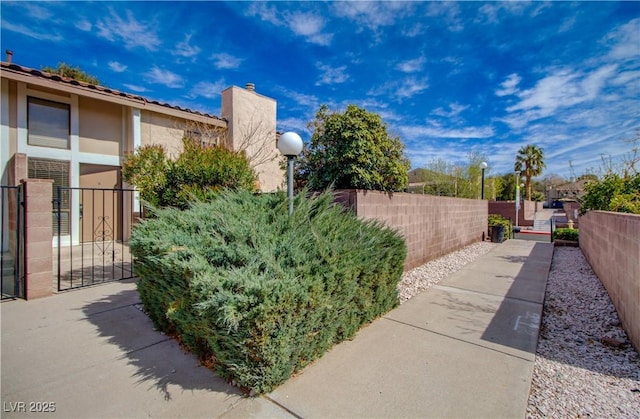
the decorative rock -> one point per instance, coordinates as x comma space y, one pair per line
596, 378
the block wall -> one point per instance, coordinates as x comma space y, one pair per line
38, 233
507, 209
432, 225
611, 243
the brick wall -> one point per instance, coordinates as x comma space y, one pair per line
38, 233
611, 243
507, 209
432, 225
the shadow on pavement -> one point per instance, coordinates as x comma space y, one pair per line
516, 323
157, 359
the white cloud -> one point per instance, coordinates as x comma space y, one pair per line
165, 77
411, 66
135, 88
373, 15
626, 77
84, 25
307, 25
36, 11
131, 32
27, 31
292, 124
491, 12
454, 111
331, 75
625, 41
207, 89
449, 11
117, 67
411, 87
568, 24
563, 88
264, 12
303, 99
225, 61
185, 49
413, 31
509, 86
434, 131
401, 89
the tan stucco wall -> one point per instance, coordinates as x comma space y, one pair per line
13, 117
252, 127
159, 129
101, 127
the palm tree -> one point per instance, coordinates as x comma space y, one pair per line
529, 162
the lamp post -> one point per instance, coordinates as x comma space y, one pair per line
483, 166
517, 196
290, 144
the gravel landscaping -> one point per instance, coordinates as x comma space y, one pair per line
585, 365
421, 278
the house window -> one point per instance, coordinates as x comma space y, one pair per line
48, 123
59, 172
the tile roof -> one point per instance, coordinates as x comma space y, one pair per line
73, 82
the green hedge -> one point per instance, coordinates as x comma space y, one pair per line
566, 234
257, 293
499, 220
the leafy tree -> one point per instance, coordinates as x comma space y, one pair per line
617, 190
198, 171
352, 149
146, 170
530, 163
456, 180
508, 190
613, 193
75, 73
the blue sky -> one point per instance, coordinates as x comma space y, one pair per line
448, 78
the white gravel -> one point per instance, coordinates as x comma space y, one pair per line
576, 374
421, 278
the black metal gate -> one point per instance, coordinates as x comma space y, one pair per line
12, 240
91, 228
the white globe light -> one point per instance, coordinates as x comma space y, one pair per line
483, 165
290, 144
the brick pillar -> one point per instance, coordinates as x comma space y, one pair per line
38, 235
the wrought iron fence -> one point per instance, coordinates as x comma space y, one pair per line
91, 228
12, 239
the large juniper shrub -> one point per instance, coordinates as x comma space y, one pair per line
260, 294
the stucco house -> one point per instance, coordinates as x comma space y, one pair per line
78, 134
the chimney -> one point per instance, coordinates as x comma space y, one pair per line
250, 87
9, 55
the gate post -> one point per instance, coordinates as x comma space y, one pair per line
38, 279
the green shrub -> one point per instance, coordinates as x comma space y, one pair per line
257, 293
566, 234
613, 192
499, 220
198, 170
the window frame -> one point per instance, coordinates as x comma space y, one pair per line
51, 141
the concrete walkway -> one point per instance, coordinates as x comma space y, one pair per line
464, 348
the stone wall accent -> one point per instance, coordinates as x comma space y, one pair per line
610, 242
432, 225
38, 233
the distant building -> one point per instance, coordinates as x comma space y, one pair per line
569, 191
